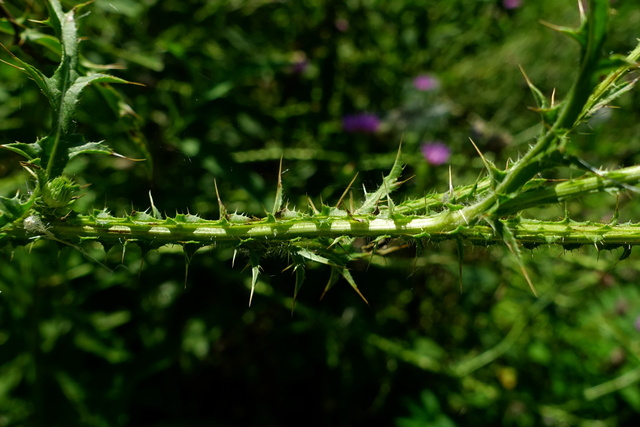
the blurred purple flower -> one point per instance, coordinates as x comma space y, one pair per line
342, 24
436, 153
511, 4
299, 62
300, 66
363, 123
637, 323
426, 82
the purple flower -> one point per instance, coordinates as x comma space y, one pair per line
426, 82
363, 123
299, 62
436, 153
300, 66
637, 323
511, 4
342, 25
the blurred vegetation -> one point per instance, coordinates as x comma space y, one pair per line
230, 86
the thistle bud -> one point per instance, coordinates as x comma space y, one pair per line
59, 192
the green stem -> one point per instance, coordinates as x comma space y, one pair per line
444, 225
467, 367
569, 189
584, 84
616, 384
261, 233
543, 192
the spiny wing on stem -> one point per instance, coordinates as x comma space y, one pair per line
389, 184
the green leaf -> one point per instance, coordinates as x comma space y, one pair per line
132, 121
6, 27
70, 88
156, 213
333, 278
28, 151
189, 251
610, 87
89, 148
30, 71
337, 266
503, 230
312, 256
49, 42
541, 100
592, 34
62, 89
347, 275
12, 209
299, 269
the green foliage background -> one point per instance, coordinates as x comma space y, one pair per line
84, 345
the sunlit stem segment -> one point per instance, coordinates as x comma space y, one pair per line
433, 228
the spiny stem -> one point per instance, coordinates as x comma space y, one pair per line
435, 228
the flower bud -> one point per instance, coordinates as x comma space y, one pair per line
59, 192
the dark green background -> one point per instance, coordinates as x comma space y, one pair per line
83, 345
